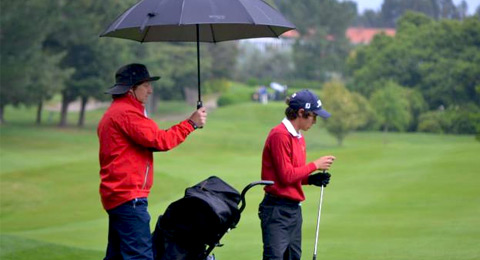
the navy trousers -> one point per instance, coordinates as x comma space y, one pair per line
281, 221
129, 234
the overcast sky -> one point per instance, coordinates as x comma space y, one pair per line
376, 4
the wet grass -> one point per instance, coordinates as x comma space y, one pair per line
414, 196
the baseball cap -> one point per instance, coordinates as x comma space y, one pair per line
309, 102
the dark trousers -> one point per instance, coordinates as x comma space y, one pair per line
129, 234
281, 222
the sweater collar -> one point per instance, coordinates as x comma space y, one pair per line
291, 129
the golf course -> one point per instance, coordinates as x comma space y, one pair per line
392, 196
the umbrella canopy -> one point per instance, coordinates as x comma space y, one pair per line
198, 21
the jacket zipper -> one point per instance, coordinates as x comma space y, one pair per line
146, 177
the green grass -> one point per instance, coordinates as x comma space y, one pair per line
393, 196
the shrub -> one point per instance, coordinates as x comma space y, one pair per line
236, 95
454, 120
216, 86
430, 122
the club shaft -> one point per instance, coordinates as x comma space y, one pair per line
318, 224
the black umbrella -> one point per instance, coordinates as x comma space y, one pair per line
198, 21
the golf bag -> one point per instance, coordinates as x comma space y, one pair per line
192, 226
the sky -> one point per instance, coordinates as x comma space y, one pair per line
376, 4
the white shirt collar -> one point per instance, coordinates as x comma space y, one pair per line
290, 128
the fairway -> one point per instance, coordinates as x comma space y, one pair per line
392, 196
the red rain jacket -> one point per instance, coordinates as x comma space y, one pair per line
127, 141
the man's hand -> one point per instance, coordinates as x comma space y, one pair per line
324, 163
319, 179
199, 117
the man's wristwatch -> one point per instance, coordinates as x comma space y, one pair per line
190, 121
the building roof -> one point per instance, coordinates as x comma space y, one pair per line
291, 34
362, 35
356, 35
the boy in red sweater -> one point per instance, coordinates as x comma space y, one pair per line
284, 162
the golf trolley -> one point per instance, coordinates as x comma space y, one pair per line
192, 226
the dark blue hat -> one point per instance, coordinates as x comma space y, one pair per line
310, 102
128, 76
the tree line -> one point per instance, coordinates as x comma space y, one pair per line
51, 47
391, 11
426, 78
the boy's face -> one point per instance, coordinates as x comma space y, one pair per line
306, 123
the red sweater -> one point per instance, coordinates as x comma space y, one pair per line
127, 139
283, 161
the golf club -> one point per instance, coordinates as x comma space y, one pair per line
318, 222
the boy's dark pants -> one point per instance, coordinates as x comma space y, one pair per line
281, 221
129, 234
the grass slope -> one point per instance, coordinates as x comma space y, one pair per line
393, 196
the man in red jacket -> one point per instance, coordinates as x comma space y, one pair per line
284, 162
128, 139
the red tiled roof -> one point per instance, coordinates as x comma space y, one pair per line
358, 35
291, 34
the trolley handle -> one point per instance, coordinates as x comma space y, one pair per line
249, 186
235, 221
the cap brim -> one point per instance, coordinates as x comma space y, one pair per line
322, 113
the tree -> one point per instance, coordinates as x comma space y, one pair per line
323, 47
372, 65
439, 59
47, 82
416, 106
369, 18
224, 56
392, 10
349, 111
463, 10
25, 64
268, 65
93, 59
391, 107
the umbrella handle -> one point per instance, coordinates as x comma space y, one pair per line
199, 105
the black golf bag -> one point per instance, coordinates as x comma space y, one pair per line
192, 226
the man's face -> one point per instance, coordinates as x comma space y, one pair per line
142, 91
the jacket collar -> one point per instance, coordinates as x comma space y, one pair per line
291, 129
129, 99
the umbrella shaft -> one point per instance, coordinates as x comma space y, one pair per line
199, 102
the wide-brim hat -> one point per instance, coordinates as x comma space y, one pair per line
128, 76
